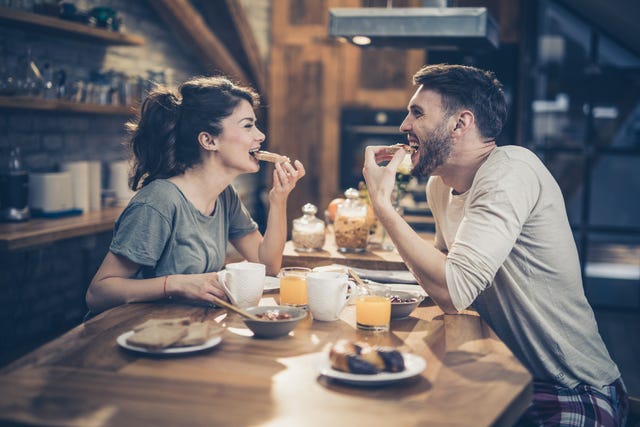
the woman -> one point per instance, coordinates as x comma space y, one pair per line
171, 239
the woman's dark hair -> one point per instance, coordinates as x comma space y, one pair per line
164, 138
471, 88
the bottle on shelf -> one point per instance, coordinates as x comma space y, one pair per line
14, 188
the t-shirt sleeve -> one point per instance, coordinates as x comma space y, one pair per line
240, 221
141, 234
497, 211
432, 199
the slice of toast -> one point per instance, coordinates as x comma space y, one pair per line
185, 321
267, 156
158, 337
197, 334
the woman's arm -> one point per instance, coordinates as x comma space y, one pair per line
268, 249
112, 285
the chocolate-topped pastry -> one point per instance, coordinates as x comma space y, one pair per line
392, 358
361, 358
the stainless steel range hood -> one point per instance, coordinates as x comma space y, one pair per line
442, 28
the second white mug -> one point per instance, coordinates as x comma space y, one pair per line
327, 294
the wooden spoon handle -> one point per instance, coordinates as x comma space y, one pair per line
357, 278
231, 307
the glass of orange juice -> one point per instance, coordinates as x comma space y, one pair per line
293, 286
373, 312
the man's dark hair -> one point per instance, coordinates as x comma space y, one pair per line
465, 87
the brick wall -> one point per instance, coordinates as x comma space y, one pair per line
42, 289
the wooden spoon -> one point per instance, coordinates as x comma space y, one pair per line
357, 279
238, 310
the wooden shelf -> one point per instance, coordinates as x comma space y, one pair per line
50, 24
39, 231
60, 105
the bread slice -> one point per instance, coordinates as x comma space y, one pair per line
392, 149
198, 334
270, 157
158, 337
185, 321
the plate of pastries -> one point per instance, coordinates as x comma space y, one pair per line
362, 364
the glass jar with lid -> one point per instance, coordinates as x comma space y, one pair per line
308, 232
351, 225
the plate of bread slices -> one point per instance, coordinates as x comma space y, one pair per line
171, 336
362, 364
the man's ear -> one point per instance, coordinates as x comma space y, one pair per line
207, 141
464, 120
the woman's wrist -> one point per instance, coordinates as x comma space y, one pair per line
166, 291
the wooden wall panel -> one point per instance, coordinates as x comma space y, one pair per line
312, 78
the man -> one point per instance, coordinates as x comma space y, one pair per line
503, 244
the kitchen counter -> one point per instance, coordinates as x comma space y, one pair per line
40, 231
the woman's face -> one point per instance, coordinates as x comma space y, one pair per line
239, 137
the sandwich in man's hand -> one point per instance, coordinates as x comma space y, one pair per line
392, 149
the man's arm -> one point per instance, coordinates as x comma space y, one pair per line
425, 261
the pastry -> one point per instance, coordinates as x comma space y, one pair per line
361, 358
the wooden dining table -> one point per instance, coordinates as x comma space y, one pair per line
85, 378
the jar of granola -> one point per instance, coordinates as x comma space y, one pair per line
351, 225
308, 231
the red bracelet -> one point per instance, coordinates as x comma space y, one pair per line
165, 288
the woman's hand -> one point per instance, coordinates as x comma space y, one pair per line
196, 286
285, 177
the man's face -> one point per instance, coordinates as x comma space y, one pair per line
427, 130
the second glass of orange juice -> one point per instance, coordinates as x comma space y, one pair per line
373, 312
293, 286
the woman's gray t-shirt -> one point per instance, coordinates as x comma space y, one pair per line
165, 234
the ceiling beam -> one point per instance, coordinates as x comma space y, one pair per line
189, 25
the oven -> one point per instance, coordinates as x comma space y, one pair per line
360, 127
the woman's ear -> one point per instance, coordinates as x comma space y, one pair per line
206, 141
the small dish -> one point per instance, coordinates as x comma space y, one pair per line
274, 328
271, 283
405, 304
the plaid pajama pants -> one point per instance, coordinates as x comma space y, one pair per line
582, 406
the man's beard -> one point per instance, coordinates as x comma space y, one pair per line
434, 152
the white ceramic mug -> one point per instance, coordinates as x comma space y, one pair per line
327, 294
243, 282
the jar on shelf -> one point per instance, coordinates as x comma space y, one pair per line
351, 225
308, 232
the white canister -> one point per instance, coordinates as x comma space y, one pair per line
79, 183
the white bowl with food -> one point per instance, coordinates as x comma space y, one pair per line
274, 321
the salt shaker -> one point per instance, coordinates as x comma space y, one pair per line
351, 226
308, 232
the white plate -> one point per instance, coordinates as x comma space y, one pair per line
122, 341
271, 283
414, 365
